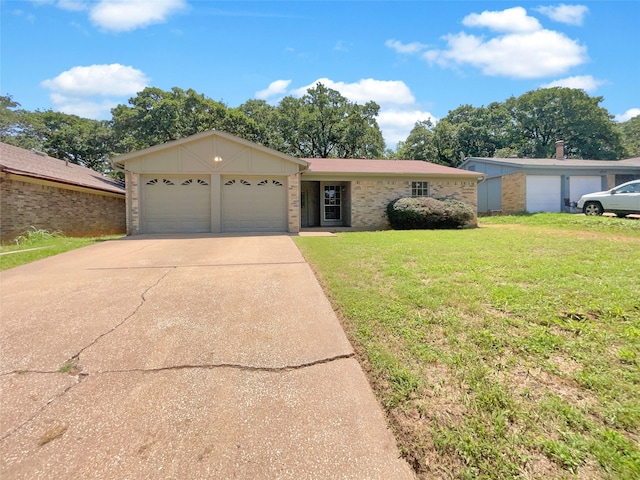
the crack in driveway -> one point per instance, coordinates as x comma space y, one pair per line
236, 366
81, 376
74, 362
76, 357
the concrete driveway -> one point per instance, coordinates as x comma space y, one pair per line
194, 357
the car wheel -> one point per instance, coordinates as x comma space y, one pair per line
592, 208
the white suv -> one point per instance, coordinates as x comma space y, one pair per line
621, 200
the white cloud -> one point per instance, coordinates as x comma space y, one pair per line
127, 15
276, 88
104, 80
520, 49
583, 82
628, 115
519, 55
569, 14
397, 124
400, 47
90, 91
383, 92
509, 20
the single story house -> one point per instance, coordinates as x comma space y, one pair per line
515, 185
217, 182
50, 194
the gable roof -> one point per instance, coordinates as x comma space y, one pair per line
122, 159
630, 163
384, 167
27, 163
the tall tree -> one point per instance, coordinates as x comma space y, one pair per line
16, 125
541, 117
478, 132
156, 116
263, 121
78, 140
419, 145
324, 124
631, 136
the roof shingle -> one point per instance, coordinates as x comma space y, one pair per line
383, 167
37, 165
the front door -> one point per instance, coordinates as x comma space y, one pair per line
309, 204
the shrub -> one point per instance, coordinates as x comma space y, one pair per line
425, 212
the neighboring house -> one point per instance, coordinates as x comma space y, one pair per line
216, 182
50, 194
542, 184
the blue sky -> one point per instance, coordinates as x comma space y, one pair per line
416, 59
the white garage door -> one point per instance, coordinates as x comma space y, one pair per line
543, 193
254, 204
580, 185
175, 204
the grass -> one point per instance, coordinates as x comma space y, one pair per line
36, 244
507, 351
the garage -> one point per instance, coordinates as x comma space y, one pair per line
254, 204
211, 182
543, 193
176, 203
581, 184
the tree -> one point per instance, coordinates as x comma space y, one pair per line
67, 137
15, 125
477, 132
631, 136
156, 116
541, 117
529, 126
419, 145
445, 139
78, 140
263, 121
324, 124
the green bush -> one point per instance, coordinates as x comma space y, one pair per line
410, 213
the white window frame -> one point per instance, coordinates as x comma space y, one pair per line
419, 188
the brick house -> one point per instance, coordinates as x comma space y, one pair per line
50, 194
216, 182
515, 185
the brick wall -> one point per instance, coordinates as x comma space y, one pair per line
370, 197
514, 193
293, 202
132, 182
74, 213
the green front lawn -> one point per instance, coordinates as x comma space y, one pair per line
511, 350
38, 244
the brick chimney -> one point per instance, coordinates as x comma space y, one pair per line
560, 150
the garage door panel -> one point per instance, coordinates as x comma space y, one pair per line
581, 185
543, 193
254, 204
176, 203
